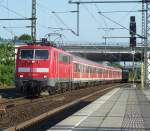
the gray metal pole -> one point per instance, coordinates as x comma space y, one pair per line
133, 71
78, 13
33, 22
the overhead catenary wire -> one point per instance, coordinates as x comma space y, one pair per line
108, 1
122, 11
91, 14
105, 23
65, 25
10, 10
127, 13
60, 20
63, 12
19, 27
57, 16
99, 24
47, 10
117, 23
18, 14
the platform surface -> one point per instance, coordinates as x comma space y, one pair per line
120, 109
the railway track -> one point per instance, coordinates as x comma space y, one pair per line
20, 116
24, 100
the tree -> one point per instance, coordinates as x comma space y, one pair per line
24, 37
7, 53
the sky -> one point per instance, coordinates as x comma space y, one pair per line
90, 20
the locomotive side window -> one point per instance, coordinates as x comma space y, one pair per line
64, 58
41, 54
26, 54
60, 57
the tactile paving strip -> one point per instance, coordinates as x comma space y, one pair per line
133, 118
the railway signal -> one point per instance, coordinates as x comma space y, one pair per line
132, 25
132, 31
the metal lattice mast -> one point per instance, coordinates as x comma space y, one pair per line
143, 33
33, 24
147, 43
143, 23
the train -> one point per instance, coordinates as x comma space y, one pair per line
44, 67
125, 75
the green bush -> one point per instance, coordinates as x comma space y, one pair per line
7, 64
7, 74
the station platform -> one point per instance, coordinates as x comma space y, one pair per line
120, 109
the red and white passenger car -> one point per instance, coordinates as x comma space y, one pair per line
44, 67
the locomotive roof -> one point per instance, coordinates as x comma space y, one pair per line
33, 46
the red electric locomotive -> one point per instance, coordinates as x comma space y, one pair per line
42, 67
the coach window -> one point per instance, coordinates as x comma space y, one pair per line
104, 71
84, 68
94, 70
75, 67
97, 70
100, 71
80, 68
90, 69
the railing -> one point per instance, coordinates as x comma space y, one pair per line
80, 43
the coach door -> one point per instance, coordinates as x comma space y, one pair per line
70, 68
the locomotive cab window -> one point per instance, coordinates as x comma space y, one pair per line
26, 54
34, 54
41, 54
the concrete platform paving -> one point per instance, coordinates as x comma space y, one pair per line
119, 110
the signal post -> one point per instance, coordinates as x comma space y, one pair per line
132, 31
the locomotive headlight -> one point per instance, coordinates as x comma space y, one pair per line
45, 76
21, 76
